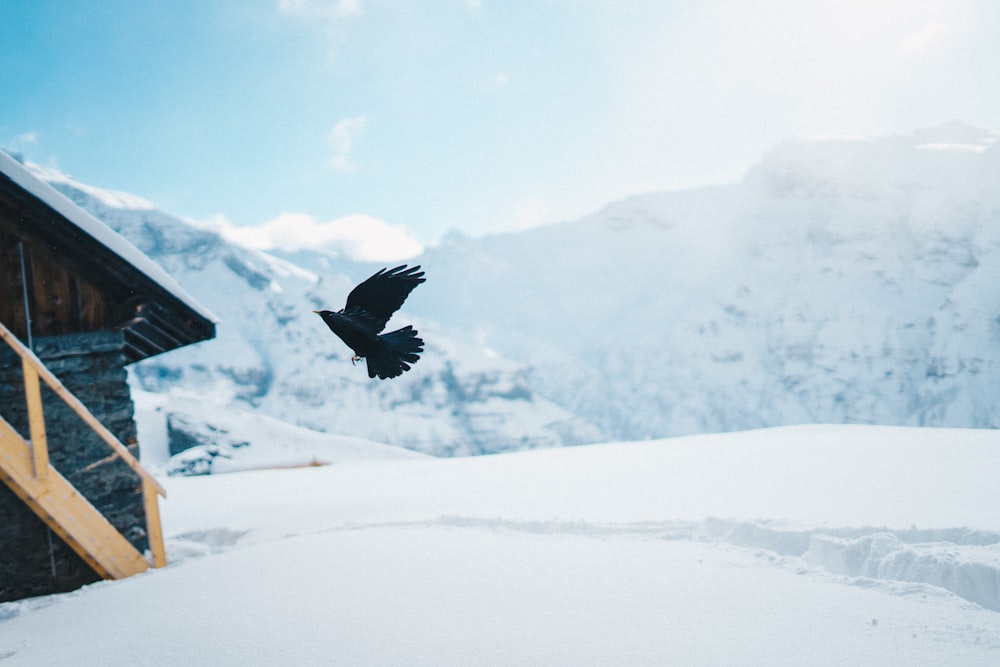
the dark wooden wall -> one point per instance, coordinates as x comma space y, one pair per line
61, 301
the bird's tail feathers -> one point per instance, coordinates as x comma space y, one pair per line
394, 352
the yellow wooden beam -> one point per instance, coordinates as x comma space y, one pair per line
154, 529
36, 421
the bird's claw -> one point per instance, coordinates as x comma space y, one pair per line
355, 359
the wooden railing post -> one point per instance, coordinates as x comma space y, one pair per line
36, 420
154, 529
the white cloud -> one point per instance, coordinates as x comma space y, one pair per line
341, 141
532, 212
328, 9
358, 237
21, 142
928, 37
331, 16
30, 137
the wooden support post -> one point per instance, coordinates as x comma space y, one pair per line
36, 421
154, 529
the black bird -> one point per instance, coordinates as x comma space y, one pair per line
369, 307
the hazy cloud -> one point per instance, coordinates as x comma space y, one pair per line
499, 80
330, 16
359, 237
30, 137
328, 9
930, 36
19, 143
341, 141
532, 212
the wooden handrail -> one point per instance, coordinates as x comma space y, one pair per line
30, 360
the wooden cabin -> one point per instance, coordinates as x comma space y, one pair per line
78, 303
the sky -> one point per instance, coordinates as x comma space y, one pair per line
471, 115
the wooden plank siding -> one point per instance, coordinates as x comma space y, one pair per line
11, 290
60, 300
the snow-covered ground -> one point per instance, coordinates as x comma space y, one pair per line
815, 545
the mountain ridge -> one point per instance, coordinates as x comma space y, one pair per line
842, 280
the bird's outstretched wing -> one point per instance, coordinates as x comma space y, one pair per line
381, 295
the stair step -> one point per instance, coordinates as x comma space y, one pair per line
65, 511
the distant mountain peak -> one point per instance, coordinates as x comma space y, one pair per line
957, 132
953, 156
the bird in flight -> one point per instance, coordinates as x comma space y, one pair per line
369, 306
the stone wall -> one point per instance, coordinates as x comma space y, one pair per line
91, 365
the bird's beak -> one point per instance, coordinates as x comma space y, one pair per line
316, 311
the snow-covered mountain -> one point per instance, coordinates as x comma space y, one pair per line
843, 280
274, 356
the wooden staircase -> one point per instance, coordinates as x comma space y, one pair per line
25, 468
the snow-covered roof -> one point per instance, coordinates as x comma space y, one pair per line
100, 232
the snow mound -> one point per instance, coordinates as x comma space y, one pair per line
969, 571
185, 435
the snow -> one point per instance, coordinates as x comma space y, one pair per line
803, 544
232, 440
825, 545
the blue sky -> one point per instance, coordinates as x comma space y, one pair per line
477, 115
